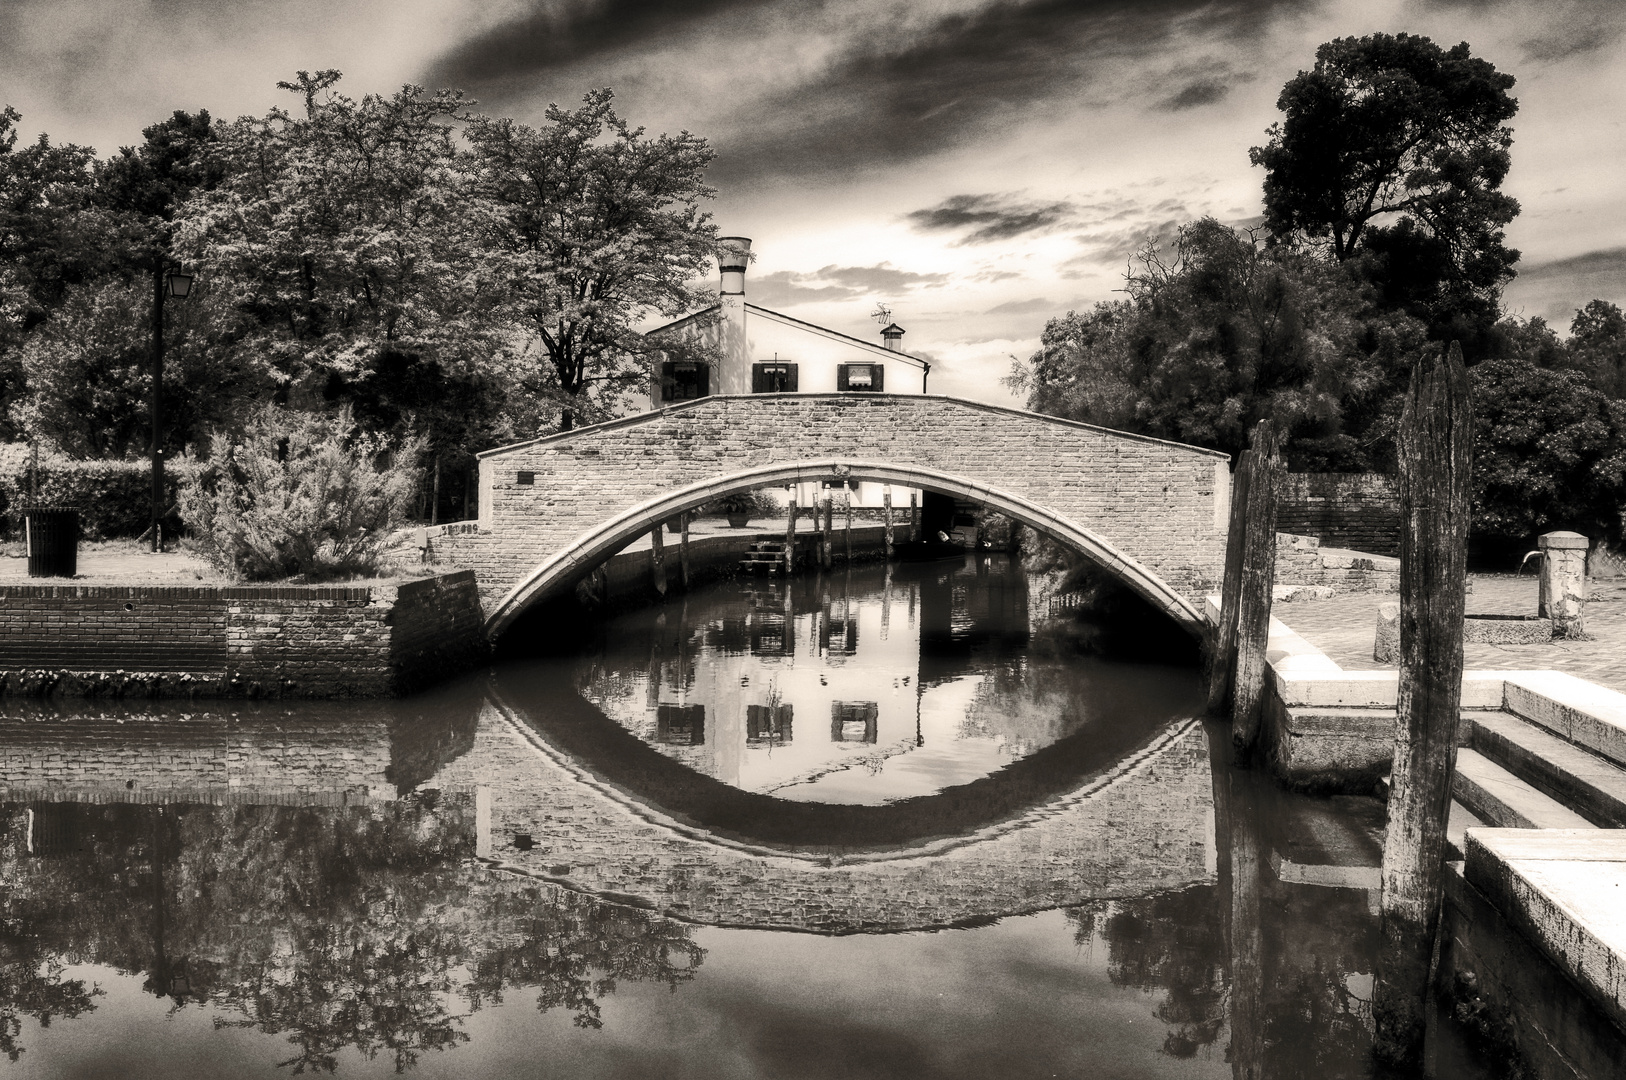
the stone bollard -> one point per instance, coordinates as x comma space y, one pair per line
1563, 581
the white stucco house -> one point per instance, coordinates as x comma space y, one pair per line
736, 347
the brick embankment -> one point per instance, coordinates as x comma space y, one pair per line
237, 641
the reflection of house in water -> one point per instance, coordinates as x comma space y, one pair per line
718, 692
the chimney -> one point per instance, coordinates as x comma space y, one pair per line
733, 255
892, 335
734, 369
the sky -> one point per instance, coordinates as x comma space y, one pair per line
980, 166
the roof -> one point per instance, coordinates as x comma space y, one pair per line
800, 324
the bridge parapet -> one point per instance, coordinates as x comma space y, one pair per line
1152, 511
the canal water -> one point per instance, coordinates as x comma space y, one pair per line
909, 821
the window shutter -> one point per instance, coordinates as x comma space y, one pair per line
841, 377
704, 382
668, 380
790, 385
877, 372
759, 379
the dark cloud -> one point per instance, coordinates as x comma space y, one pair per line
552, 35
986, 218
1202, 92
789, 288
1605, 263
1116, 246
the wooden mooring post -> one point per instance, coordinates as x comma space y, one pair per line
1237, 667
886, 511
1435, 444
914, 517
825, 542
790, 534
683, 548
657, 558
847, 529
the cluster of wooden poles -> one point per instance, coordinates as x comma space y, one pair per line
823, 515
1434, 445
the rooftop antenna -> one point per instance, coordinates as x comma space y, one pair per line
882, 313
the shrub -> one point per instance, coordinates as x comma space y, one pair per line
298, 495
114, 498
754, 503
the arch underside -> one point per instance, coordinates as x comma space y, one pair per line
590, 549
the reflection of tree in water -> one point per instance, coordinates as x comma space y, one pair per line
1169, 942
362, 928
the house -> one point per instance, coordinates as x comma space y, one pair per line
736, 347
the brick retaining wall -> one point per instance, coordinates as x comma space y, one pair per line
211, 641
1346, 510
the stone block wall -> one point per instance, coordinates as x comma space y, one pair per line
1161, 503
1345, 510
212, 641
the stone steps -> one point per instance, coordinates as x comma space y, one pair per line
1580, 780
1504, 800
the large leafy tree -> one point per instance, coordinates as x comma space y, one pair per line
591, 226
1394, 150
1227, 332
342, 234
1598, 346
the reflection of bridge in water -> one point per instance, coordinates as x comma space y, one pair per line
1017, 841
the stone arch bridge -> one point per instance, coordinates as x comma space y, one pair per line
1152, 512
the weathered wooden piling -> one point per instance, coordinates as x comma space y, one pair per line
847, 529
914, 517
1257, 578
1436, 451
825, 542
790, 534
1222, 659
657, 559
683, 548
886, 511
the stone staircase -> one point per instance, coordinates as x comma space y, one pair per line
765, 557
1514, 773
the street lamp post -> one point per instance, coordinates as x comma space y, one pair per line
176, 283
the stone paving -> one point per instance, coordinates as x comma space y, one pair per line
116, 564
1345, 626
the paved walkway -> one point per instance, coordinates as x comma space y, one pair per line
116, 564
1345, 626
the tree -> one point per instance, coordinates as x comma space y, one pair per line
1549, 453
1598, 346
590, 227
1225, 333
1394, 150
343, 236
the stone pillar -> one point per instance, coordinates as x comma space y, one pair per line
1563, 581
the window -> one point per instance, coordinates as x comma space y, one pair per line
681, 725
773, 378
682, 380
525, 478
767, 725
869, 377
854, 721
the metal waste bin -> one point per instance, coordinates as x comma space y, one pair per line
53, 540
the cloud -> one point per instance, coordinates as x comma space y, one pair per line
987, 218
1608, 262
1023, 307
790, 288
1193, 95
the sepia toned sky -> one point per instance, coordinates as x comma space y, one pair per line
980, 165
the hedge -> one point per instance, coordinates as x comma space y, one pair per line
114, 498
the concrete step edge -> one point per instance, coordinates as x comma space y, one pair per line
1550, 763
1501, 799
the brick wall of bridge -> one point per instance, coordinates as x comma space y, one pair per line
1162, 503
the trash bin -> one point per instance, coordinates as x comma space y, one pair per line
53, 540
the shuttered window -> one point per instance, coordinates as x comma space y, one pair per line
683, 380
870, 377
773, 378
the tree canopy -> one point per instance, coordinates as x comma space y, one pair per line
1393, 149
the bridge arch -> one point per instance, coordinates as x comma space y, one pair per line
592, 547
